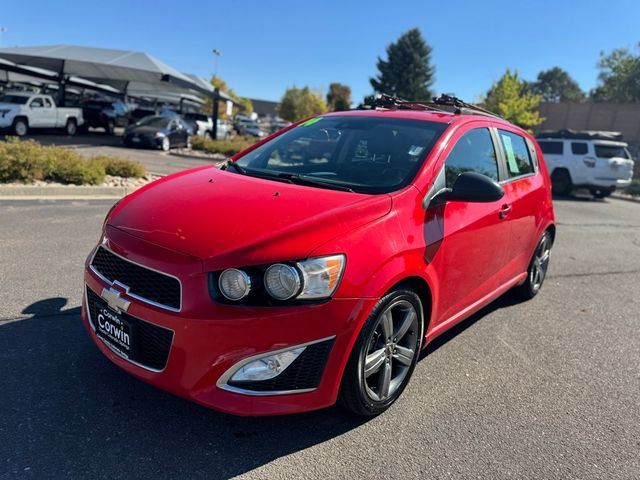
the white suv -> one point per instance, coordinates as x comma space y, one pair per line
597, 161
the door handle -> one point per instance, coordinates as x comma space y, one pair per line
504, 211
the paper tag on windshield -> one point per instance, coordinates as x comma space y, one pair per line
511, 158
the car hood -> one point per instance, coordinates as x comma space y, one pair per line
227, 219
9, 106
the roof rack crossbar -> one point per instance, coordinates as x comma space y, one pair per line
438, 104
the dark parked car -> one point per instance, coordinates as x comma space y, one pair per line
105, 114
157, 132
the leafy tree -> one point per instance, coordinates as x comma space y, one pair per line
511, 98
556, 85
407, 73
242, 103
619, 77
299, 103
338, 97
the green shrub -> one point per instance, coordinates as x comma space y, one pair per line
69, 167
634, 188
23, 161
120, 167
225, 147
28, 161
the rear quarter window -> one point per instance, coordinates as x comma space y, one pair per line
551, 148
610, 151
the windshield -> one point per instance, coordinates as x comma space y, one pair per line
17, 99
364, 154
610, 151
160, 122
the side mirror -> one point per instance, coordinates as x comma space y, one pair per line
470, 187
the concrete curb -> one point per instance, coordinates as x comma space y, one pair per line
627, 198
63, 192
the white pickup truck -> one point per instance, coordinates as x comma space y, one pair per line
21, 111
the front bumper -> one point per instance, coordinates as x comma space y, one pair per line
145, 141
210, 338
6, 121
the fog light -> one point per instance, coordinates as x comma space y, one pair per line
266, 367
234, 284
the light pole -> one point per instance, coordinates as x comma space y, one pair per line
216, 95
2, 30
216, 55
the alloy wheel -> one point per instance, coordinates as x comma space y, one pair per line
21, 128
390, 351
540, 264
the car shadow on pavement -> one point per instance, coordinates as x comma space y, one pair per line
509, 299
68, 412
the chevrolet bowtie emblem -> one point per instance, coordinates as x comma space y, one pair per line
113, 298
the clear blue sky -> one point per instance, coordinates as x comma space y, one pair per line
269, 45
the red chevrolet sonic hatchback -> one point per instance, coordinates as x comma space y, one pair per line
314, 266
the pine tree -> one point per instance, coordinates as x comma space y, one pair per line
407, 73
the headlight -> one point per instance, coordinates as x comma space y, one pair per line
160, 135
320, 276
312, 279
282, 281
234, 284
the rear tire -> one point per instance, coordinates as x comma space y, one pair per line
561, 183
537, 271
71, 128
110, 127
385, 354
599, 194
20, 127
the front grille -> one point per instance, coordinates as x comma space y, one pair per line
152, 343
145, 284
304, 373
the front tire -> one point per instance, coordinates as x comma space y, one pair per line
20, 127
537, 271
165, 146
384, 355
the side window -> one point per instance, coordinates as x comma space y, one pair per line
579, 148
516, 154
47, 103
474, 152
36, 103
551, 148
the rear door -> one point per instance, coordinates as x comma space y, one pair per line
524, 198
469, 259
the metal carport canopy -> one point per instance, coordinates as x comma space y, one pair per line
115, 67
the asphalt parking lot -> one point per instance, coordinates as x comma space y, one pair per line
544, 389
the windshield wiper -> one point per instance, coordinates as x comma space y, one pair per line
317, 182
235, 166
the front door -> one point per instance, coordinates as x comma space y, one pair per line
475, 237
